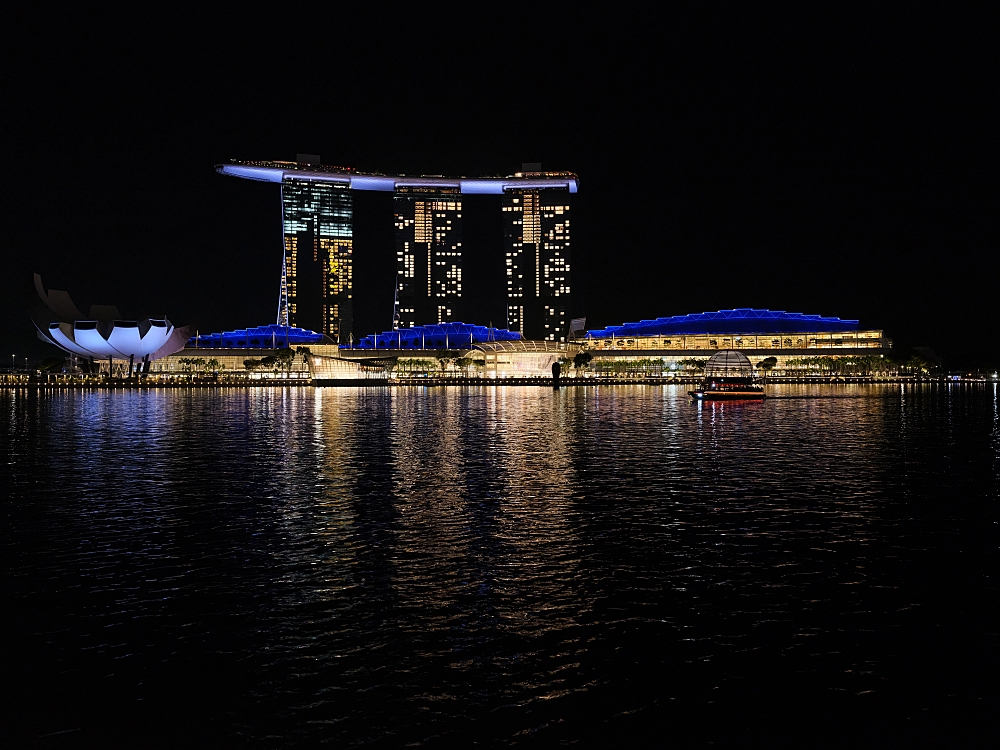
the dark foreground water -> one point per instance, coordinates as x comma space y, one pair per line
611, 566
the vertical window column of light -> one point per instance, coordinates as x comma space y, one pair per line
447, 250
297, 210
513, 318
555, 263
457, 232
423, 233
406, 250
555, 245
336, 237
290, 279
531, 231
404, 260
330, 269
282, 318
515, 239
403, 223
283, 284
339, 274
440, 283
510, 247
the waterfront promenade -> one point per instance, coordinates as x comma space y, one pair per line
90, 383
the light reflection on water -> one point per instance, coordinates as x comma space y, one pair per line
511, 565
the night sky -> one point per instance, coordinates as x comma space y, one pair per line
838, 162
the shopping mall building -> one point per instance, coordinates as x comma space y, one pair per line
759, 334
659, 347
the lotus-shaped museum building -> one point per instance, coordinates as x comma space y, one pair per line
102, 334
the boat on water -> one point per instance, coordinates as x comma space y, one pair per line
729, 376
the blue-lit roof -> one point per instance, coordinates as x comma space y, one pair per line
277, 171
441, 336
261, 337
742, 320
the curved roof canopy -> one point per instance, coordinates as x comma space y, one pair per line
272, 336
277, 171
741, 320
440, 336
520, 345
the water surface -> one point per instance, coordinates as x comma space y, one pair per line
500, 566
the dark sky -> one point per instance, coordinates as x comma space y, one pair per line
836, 161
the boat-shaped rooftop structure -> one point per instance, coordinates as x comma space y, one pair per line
277, 171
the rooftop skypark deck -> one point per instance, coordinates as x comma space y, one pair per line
276, 171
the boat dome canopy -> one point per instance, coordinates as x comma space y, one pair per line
728, 363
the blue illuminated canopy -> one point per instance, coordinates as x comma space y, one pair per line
440, 336
260, 337
745, 320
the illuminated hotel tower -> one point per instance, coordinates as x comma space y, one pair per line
537, 240
428, 255
316, 280
317, 275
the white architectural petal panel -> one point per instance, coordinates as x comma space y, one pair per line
63, 340
125, 338
92, 340
157, 335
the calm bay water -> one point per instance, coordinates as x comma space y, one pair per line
500, 566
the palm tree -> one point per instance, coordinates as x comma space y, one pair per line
767, 364
285, 358
697, 365
444, 362
270, 363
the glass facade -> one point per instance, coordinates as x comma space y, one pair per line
873, 339
316, 290
538, 262
428, 255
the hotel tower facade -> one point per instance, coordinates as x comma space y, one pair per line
538, 262
428, 255
317, 275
